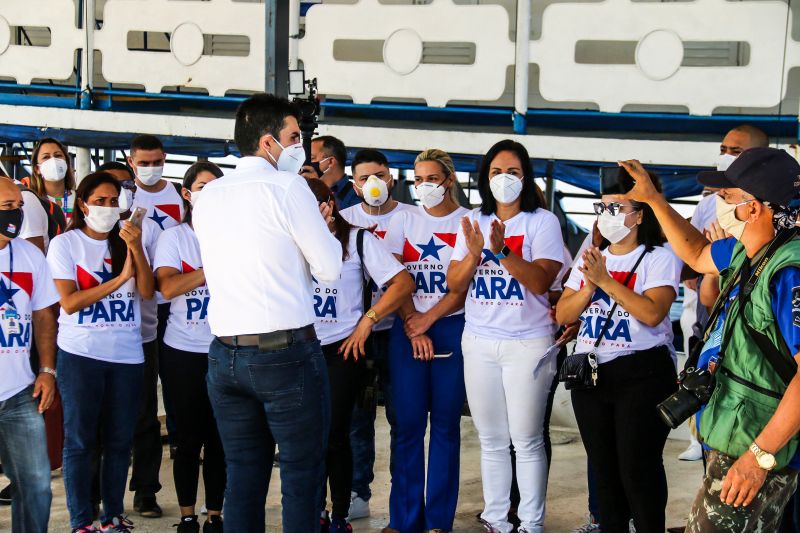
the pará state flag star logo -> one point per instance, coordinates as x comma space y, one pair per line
6, 294
514, 244
426, 250
23, 280
89, 279
601, 296
163, 212
186, 267
380, 234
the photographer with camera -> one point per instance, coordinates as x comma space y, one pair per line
752, 418
622, 292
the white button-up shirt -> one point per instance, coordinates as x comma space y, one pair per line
261, 239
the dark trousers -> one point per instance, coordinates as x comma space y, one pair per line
624, 438
183, 374
345, 378
147, 449
261, 399
113, 390
362, 427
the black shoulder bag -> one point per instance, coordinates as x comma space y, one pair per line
579, 370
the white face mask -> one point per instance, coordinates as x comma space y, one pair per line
724, 161
291, 159
726, 216
375, 191
613, 227
149, 175
54, 169
125, 200
505, 188
193, 196
430, 194
102, 219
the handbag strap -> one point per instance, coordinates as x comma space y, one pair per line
614, 307
366, 292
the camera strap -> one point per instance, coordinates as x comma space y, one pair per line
785, 368
614, 307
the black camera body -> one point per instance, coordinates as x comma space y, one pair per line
310, 108
695, 386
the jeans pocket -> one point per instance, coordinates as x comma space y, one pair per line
279, 385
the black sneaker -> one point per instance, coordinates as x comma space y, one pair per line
147, 506
188, 524
6, 494
213, 524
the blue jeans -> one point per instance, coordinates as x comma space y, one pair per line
23, 452
362, 426
97, 394
261, 399
436, 387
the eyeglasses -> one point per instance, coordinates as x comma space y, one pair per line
613, 208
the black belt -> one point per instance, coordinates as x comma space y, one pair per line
270, 342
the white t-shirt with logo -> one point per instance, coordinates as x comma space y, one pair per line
625, 335
498, 306
425, 243
35, 221
356, 216
338, 306
150, 235
109, 329
65, 202
164, 210
31, 289
187, 326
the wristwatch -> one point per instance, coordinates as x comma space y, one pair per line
765, 460
48, 370
502, 254
372, 315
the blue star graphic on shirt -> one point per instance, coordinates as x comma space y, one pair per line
104, 274
489, 257
430, 250
6, 294
157, 219
600, 294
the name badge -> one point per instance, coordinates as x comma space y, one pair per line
11, 322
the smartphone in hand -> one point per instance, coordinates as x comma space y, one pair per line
137, 217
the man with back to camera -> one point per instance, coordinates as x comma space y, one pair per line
262, 237
751, 421
328, 158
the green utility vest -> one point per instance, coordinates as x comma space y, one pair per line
748, 389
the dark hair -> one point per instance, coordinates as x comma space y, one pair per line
529, 198
333, 147
36, 184
649, 233
116, 165
146, 142
261, 114
341, 227
190, 177
368, 156
117, 247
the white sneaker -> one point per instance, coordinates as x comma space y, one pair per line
591, 526
359, 508
693, 453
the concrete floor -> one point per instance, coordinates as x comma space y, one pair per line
566, 499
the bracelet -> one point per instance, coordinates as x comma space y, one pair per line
48, 370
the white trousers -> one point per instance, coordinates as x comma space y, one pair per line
507, 385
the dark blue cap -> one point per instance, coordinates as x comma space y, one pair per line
769, 174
